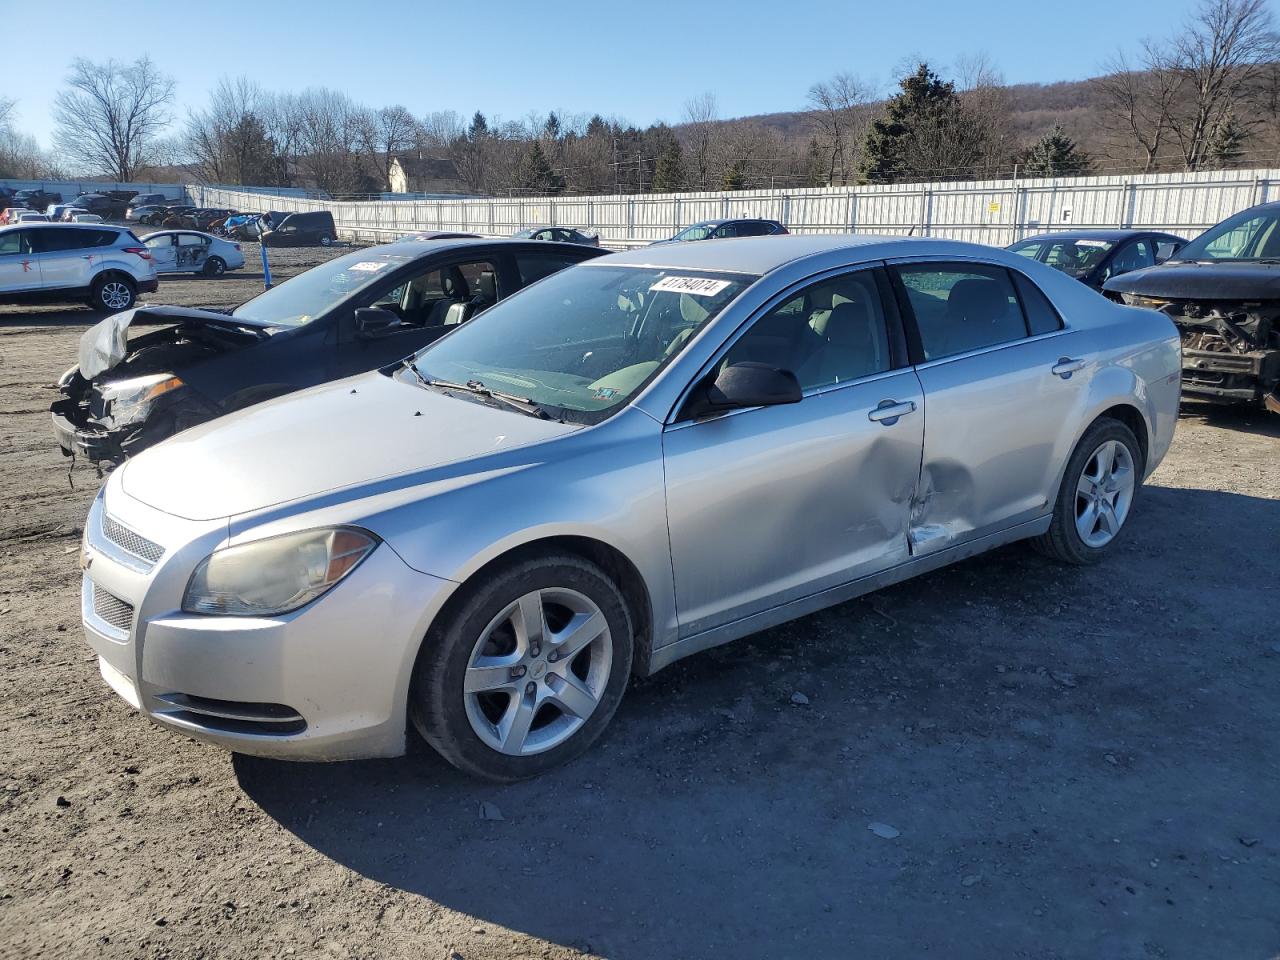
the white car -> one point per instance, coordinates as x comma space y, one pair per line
33, 218
69, 214
86, 218
45, 262
190, 251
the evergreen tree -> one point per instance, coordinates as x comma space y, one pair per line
1055, 155
1226, 144
925, 105
551, 129
815, 166
479, 128
669, 175
735, 176
536, 174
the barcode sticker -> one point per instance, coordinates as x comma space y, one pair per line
698, 286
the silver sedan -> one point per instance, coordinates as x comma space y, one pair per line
630, 461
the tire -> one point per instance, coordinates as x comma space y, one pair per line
326, 240
113, 293
1089, 483
479, 644
214, 267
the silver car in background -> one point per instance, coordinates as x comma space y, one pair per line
628, 462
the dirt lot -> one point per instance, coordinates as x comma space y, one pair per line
1074, 763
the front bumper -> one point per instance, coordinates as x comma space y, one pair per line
327, 682
1230, 377
90, 441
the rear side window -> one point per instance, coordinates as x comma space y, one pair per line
54, 239
754, 228
1041, 316
535, 266
960, 307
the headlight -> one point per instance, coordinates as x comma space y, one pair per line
275, 575
137, 391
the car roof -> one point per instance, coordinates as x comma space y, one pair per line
411, 247
1094, 235
79, 226
761, 255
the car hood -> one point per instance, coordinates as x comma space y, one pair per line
1189, 280
336, 435
105, 344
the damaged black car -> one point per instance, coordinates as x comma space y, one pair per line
1222, 290
356, 313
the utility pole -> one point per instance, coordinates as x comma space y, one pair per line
640, 170
617, 182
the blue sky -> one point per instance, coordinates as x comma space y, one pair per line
636, 60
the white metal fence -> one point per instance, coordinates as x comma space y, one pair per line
995, 212
73, 188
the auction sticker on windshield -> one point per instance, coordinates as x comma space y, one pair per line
369, 266
698, 286
1092, 243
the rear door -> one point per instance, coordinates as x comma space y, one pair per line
19, 263
193, 251
66, 256
1003, 383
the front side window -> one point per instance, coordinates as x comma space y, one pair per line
444, 295
15, 241
962, 307
160, 242
191, 240
583, 341
1249, 235
831, 332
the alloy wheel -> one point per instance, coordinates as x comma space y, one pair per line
115, 295
538, 671
1104, 493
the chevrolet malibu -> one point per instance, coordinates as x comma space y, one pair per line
631, 461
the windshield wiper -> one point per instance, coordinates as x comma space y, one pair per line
522, 404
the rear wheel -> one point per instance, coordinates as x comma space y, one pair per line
113, 293
214, 267
326, 240
1097, 494
526, 671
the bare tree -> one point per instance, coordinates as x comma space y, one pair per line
1222, 54
228, 141
6, 111
331, 134
986, 103
701, 120
110, 115
388, 132
841, 112
1138, 102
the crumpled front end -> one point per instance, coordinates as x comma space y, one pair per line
128, 393
1230, 349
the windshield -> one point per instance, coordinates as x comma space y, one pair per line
699, 231
308, 295
1075, 257
1249, 235
583, 341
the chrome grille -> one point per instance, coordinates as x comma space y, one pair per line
111, 609
130, 542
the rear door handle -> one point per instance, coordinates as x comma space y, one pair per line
889, 411
1066, 366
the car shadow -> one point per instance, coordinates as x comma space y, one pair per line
1241, 419
737, 806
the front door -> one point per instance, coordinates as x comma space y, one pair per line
19, 264
1003, 383
771, 504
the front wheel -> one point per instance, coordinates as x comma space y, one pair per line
1097, 494
526, 672
112, 293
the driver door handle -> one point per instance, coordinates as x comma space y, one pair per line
889, 411
1066, 366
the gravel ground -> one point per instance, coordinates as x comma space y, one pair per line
1003, 759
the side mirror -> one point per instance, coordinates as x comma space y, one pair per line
374, 322
747, 385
